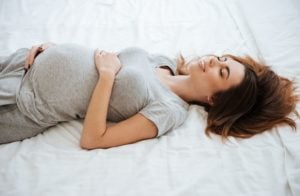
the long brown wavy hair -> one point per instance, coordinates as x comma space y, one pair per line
262, 100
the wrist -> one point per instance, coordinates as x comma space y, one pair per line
107, 75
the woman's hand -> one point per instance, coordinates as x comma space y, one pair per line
34, 52
107, 62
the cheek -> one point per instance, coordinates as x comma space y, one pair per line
210, 81
216, 83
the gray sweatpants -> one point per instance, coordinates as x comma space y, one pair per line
14, 125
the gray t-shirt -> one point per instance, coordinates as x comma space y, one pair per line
60, 83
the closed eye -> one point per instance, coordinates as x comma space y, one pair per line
222, 72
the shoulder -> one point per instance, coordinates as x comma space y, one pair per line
159, 59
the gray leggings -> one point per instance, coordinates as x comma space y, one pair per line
14, 126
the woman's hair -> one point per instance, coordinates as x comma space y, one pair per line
262, 100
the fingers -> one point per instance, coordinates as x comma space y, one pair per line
97, 51
103, 52
100, 53
33, 52
96, 54
101, 56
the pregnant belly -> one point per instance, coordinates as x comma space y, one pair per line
61, 82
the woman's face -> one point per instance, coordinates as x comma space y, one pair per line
212, 74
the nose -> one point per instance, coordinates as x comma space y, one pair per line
211, 62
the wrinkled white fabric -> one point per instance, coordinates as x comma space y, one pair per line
184, 161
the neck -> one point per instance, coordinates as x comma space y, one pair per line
182, 85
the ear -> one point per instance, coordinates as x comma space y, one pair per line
210, 100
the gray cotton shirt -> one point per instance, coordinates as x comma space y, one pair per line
60, 83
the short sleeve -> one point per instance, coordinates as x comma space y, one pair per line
166, 116
163, 60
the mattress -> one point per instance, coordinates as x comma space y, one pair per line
184, 161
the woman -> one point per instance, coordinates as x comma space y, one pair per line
146, 94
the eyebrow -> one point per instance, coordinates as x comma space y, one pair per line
228, 71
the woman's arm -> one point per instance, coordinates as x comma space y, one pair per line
94, 125
95, 133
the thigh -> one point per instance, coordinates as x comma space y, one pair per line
14, 126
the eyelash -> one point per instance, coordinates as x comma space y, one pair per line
221, 73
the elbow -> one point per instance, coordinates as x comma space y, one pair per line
90, 146
86, 146
90, 143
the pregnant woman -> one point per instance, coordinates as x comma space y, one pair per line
145, 94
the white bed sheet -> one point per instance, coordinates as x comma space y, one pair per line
184, 161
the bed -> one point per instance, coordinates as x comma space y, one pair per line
184, 161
